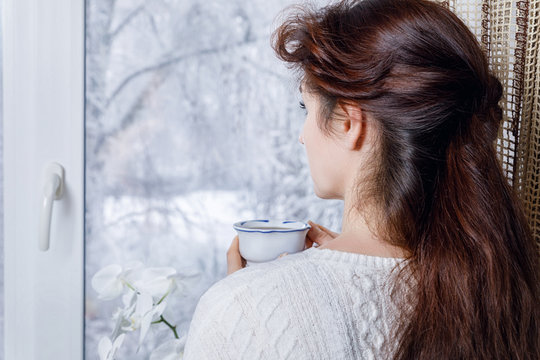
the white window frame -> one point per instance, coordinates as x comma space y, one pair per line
43, 86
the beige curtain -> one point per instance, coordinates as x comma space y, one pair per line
508, 31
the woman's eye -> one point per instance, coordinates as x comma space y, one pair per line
302, 105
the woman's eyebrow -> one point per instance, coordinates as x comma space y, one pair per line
300, 88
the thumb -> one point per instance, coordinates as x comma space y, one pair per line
328, 231
321, 228
317, 235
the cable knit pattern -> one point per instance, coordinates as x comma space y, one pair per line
316, 304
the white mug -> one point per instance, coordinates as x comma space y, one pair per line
265, 240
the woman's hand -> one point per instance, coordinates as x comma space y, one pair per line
235, 261
319, 234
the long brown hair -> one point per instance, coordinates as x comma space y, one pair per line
417, 69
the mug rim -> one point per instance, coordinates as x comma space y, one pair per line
239, 226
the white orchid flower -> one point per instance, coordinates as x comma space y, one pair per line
149, 316
139, 315
154, 281
109, 282
143, 306
123, 318
129, 298
170, 350
144, 300
107, 349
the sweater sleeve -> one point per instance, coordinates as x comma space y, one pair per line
240, 320
224, 324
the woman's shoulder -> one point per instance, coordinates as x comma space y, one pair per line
248, 301
269, 300
301, 269
257, 277
257, 282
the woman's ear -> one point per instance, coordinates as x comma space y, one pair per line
353, 128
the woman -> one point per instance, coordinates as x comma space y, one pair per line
435, 259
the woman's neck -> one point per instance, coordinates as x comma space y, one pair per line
358, 234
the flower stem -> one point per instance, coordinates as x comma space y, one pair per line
162, 320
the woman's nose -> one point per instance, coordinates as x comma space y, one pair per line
301, 139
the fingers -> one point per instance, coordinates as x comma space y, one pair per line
234, 259
329, 232
322, 228
319, 235
309, 243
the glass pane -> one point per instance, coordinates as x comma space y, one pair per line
1, 190
192, 124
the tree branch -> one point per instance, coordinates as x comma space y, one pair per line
126, 21
169, 62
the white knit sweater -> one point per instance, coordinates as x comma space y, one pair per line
316, 304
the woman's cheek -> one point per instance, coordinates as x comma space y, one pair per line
318, 171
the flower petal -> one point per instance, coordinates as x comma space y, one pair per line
158, 310
104, 348
106, 282
145, 325
144, 304
154, 281
144, 314
128, 298
117, 343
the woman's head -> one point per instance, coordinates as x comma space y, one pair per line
414, 70
339, 154
414, 77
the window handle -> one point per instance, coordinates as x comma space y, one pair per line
52, 190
